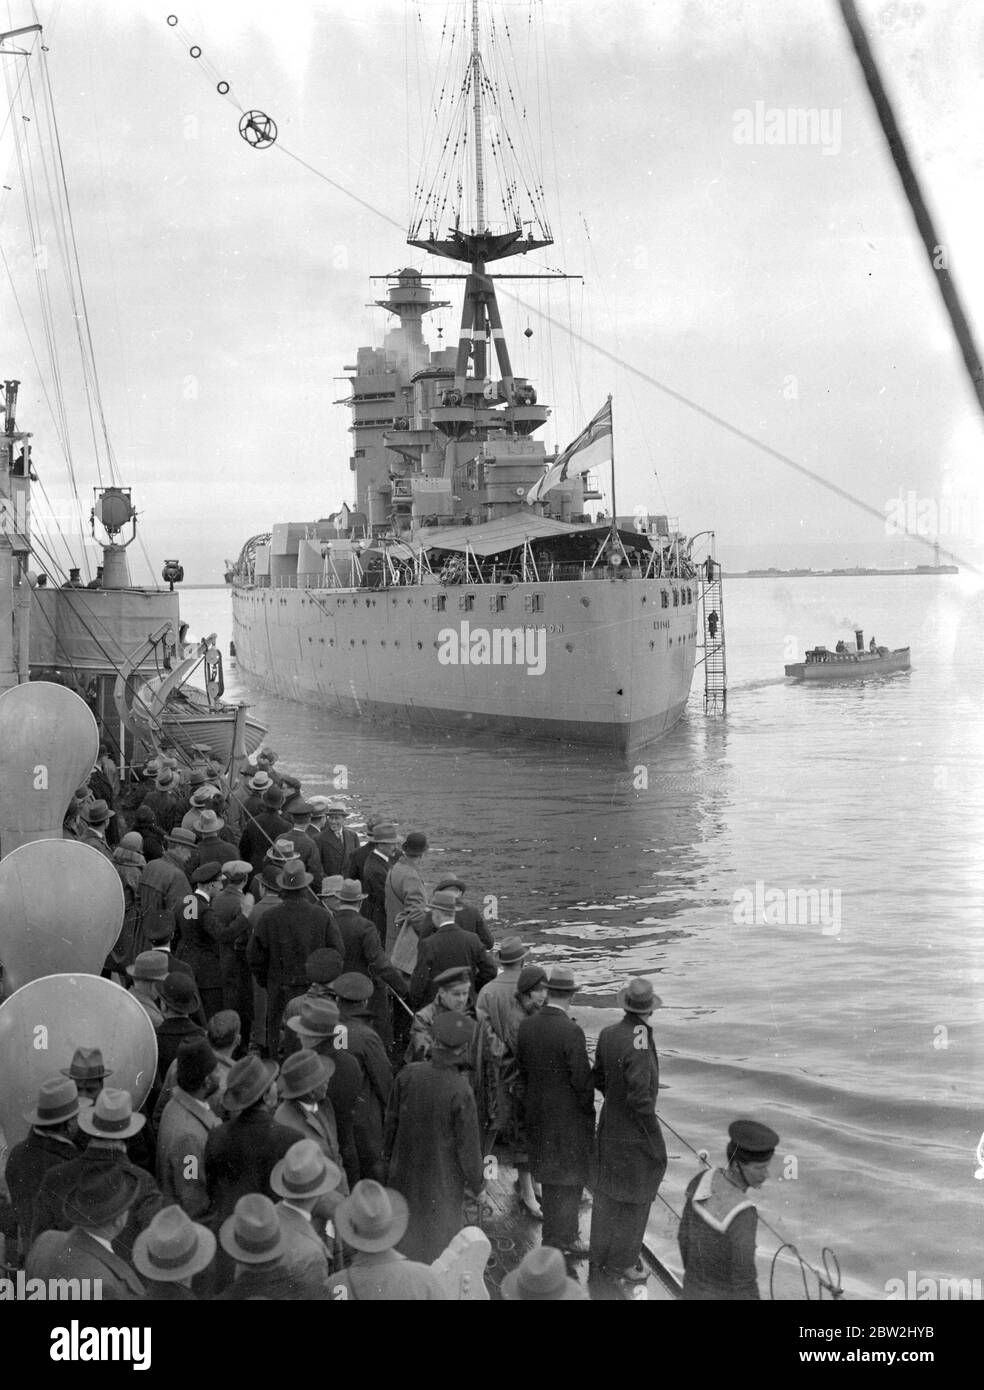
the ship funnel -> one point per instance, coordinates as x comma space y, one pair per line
859, 638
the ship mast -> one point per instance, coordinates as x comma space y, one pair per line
476, 65
477, 242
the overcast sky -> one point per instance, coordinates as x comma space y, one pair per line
780, 286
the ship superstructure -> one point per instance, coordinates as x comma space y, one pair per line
466, 587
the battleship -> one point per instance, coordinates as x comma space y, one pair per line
468, 588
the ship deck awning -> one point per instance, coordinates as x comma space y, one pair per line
396, 550
491, 537
511, 532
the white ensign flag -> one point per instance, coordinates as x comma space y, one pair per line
592, 447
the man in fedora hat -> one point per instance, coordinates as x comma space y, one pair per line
374, 820
240, 1153
542, 1277
110, 1124
146, 973
253, 1238
264, 829
448, 946
50, 1142
179, 1002
322, 967
308, 1185
283, 939
335, 841
497, 999
95, 816
184, 1127
170, 1253
466, 915
199, 945
359, 1039
97, 1208
88, 1071
631, 1151
164, 889
305, 847
150, 831
407, 897
164, 798
371, 1222
555, 1091
211, 847
205, 796
231, 908
432, 1144
316, 1027
304, 1105
364, 952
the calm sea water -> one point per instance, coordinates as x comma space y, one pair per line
854, 1023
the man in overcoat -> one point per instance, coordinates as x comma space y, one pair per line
51, 1142
98, 1205
283, 939
336, 842
449, 946
555, 1091
631, 1151
356, 1036
199, 944
432, 1145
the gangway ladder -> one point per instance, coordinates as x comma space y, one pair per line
711, 611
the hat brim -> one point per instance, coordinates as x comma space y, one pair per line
349, 902
92, 1076
622, 1000
33, 1118
373, 1244
252, 1097
330, 1181
509, 1289
200, 1258
123, 1200
88, 1126
308, 880
185, 1010
227, 1239
557, 987
296, 1026
327, 1072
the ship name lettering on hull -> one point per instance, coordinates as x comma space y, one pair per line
500, 646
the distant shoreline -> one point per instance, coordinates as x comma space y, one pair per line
928, 572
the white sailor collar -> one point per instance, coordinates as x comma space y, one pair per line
701, 1194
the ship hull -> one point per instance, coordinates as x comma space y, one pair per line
598, 662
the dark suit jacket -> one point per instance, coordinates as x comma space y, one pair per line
29, 1162
260, 834
211, 851
49, 1208
238, 1158
170, 1035
336, 854
631, 1151
199, 945
281, 942
74, 1254
556, 1094
450, 945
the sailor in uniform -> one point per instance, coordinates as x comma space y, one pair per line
717, 1229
